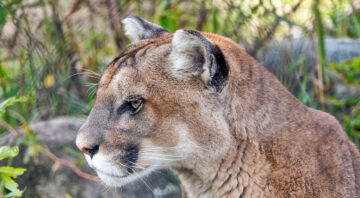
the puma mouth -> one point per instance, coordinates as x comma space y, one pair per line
111, 175
116, 180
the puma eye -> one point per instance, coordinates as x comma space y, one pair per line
132, 106
136, 104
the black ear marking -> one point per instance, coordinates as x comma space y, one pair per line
138, 29
221, 70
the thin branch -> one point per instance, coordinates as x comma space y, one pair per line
9, 128
203, 12
114, 20
68, 164
75, 7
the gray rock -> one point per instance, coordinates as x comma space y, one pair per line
282, 53
282, 58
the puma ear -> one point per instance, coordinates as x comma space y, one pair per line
194, 54
137, 29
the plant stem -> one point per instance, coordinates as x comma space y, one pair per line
321, 65
66, 163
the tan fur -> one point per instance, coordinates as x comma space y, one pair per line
252, 139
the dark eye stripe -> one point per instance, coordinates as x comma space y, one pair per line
124, 108
127, 106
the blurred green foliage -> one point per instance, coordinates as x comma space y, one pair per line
347, 108
8, 187
7, 173
349, 70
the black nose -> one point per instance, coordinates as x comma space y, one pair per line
92, 151
87, 149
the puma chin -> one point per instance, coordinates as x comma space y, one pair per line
113, 176
198, 104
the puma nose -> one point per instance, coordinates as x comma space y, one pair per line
87, 149
89, 139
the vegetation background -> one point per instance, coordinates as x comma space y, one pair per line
52, 54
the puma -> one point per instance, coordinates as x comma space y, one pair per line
198, 104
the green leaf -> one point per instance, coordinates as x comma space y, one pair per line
11, 171
7, 151
215, 22
10, 101
15, 193
3, 73
11, 185
168, 21
3, 14
356, 25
